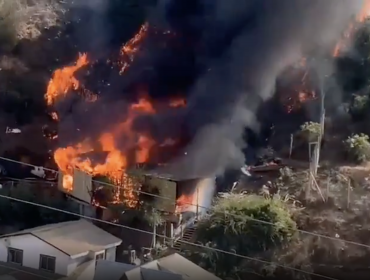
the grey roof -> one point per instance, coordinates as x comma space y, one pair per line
172, 267
142, 273
111, 270
178, 264
72, 238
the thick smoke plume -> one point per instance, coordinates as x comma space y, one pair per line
264, 37
234, 52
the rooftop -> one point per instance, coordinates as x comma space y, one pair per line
172, 267
72, 238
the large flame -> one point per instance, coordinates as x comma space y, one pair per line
116, 160
63, 80
361, 17
120, 144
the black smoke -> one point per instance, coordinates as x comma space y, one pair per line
225, 56
247, 44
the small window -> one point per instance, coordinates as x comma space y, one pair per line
15, 256
100, 256
47, 263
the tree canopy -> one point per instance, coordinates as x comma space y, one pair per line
231, 226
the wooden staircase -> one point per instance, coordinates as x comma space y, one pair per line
188, 236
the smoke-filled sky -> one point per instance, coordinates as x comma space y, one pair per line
236, 50
267, 37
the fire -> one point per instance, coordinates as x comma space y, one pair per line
129, 50
63, 80
361, 17
116, 160
183, 202
120, 145
294, 103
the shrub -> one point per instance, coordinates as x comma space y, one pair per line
358, 147
230, 227
310, 131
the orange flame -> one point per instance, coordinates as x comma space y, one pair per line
129, 50
63, 80
116, 160
135, 147
183, 202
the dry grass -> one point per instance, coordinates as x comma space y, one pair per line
27, 19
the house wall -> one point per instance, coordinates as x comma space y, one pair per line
88, 271
110, 254
32, 248
74, 263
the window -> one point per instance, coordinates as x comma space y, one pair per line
15, 256
47, 263
100, 256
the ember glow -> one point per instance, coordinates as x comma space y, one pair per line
130, 49
295, 102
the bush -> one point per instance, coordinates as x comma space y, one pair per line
230, 227
26, 19
359, 107
358, 147
310, 131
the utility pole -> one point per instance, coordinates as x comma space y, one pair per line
316, 155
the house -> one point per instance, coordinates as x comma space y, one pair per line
172, 267
62, 249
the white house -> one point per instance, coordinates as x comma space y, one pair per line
60, 249
172, 267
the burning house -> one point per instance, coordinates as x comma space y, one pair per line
173, 196
178, 93
177, 195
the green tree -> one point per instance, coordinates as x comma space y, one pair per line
358, 147
231, 227
310, 131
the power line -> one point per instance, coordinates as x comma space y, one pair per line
207, 208
163, 236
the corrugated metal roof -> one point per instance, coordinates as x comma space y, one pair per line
72, 238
